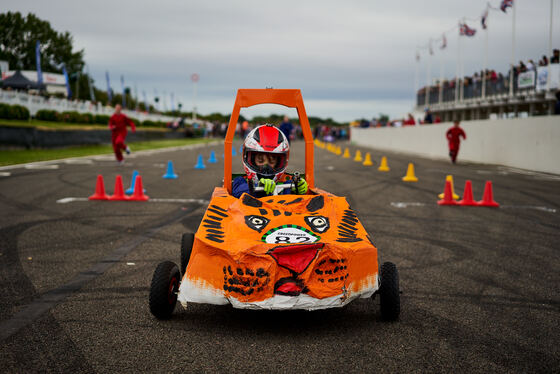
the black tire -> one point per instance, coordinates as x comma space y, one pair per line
164, 288
186, 248
390, 299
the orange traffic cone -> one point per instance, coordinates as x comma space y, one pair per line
138, 194
119, 190
410, 177
467, 195
447, 195
99, 190
346, 153
488, 196
383, 166
367, 161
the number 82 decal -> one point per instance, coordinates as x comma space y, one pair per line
289, 234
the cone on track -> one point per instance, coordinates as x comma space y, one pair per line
338, 151
170, 173
468, 196
447, 196
488, 196
346, 153
119, 190
233, 153
99, 190
367, 161
200, 163
383, 166
410, 177
138, 194
450, 179
130, 190
212, 159
358, 157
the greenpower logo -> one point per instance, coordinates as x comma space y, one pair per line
289, 234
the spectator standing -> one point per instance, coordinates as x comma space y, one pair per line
555, 59
409, 121
244, 129
117, 124
286, 127
453, 136
428, 116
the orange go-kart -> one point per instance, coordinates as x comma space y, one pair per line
277, 252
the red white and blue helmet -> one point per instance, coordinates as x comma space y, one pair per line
265, 139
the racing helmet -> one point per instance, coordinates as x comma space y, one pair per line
266, 139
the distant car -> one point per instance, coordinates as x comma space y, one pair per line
277, 252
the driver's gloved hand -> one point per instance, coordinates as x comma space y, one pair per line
301, 188
268, 185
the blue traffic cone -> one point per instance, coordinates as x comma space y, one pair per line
170, 174
241, 149
130, 190
212, 158
199, 163
233, 153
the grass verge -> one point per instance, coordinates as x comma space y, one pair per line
20, 156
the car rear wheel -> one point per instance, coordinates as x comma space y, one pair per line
163, 290
186, 248
390, 300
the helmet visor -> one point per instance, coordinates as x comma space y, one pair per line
266, 163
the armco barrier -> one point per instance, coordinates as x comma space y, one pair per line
31, 137
528, 143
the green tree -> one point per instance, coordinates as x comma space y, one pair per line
19, 35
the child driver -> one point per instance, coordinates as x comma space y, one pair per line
265, 158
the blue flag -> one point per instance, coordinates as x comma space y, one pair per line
38, 60
68, 90
123, 93
109, 91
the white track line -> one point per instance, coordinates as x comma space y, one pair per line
402, 204
66, 200
108, 157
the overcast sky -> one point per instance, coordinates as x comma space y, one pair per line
351, 59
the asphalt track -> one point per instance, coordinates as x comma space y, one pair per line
480, 286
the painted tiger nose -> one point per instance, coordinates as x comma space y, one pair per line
295, 258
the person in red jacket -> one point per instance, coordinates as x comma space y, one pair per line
454, 139
117, 124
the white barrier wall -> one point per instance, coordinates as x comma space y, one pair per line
527, 143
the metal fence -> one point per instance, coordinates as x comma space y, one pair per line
34, 103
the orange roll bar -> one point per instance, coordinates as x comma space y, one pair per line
288, 97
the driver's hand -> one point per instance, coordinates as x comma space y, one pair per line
302, 187
268, 185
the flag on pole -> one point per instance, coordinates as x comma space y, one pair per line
109, 91
65, 73
145, 101
443, 42
466, 30
484, 18
123, 93
90, 85
506, 4
38, 61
